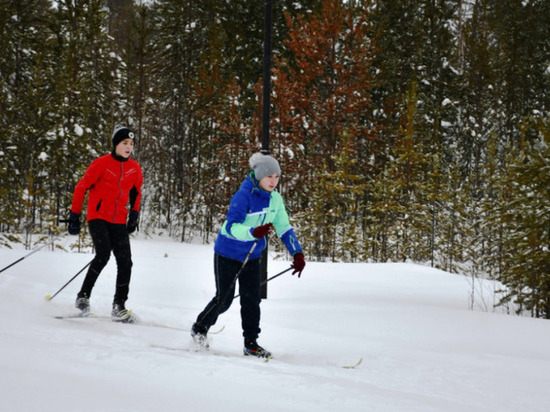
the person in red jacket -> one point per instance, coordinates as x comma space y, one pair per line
112, 181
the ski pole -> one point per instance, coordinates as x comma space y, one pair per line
49, 297
34, 251
236, 276
242, 267
271, 278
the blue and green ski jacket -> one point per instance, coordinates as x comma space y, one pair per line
252, 206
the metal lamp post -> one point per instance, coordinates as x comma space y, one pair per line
266, 101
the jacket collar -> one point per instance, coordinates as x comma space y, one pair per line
119, 158
252, 184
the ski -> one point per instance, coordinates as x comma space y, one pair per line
354, 365
128, 318
134, 321
217, 353
161, 325
176, 349
82, 315
200, 350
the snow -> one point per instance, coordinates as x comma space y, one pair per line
422, 348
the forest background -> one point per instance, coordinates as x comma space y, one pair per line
406, 130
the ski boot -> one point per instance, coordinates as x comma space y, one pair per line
82, 303
198, 333
251, 348
121, 314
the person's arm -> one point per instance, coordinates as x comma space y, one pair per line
236, 215
135, 202
135, 192
284, 229
92, 175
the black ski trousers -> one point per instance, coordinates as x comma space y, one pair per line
109, 237
225, 270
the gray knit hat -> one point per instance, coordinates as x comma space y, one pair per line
263, 165
120, 133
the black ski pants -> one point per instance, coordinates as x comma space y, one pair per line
225, 270
109, 237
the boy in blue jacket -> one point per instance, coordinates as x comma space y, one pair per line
255, 210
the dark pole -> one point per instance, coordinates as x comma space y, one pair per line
266, 102
266, 98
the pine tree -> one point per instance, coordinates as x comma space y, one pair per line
84, 63
415, 54
321, 91
406, 212
526, 273
334, 217
488, 257
28, 97
171, 151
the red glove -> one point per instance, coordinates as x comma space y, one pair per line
299, 263
260, 231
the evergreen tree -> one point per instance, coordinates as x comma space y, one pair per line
526, 273
172, 149
84, 76
408, 193
418, 118
334, 216
320, 91
28, 97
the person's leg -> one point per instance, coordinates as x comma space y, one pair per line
249, 289
102, 244
120, 241
225, 271
250, 295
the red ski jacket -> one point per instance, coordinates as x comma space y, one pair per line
111, 183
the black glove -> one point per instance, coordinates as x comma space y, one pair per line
132, 221
74, 223
260, 231
299, 263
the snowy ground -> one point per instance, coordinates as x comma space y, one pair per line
422, 349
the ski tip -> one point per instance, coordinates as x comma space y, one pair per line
48, 297
356, 364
